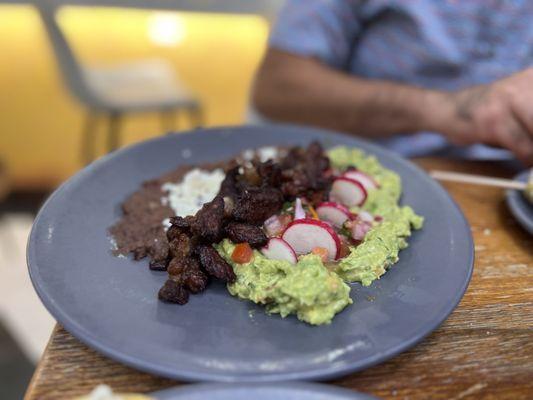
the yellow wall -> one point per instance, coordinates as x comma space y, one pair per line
40, 121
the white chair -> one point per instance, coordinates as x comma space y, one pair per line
149, 85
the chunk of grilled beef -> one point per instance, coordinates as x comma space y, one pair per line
246, 233
295, 183
181, 223
317, 196
195, 280
303, 172
180, 246
269, 173
255, 205
214, 264
178, 266
173, 292
250, 175
158, 265
229, 186
209, 220
293, 157
315, 164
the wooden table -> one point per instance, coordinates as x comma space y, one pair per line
484, 349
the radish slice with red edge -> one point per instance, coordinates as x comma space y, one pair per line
365, 216
273, 226
304, 235
360, 229
366, 180
333, 212
279, 249
348, 192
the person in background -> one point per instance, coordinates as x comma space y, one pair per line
421, 77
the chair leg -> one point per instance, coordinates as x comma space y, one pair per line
196, 115
113, 136
87, 146
168, 120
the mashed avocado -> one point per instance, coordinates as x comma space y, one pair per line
306, 289
380, 247
309, 289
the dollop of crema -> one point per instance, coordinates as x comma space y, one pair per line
197, 187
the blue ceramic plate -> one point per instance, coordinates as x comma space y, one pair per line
261, 391
111, 305
519, 206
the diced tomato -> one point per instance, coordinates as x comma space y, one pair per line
321, 252
242, 253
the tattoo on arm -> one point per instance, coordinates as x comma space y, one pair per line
469, 100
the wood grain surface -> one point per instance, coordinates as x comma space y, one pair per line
483, 351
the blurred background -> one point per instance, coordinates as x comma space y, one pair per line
81, 78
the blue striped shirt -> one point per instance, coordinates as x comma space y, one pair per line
438, 44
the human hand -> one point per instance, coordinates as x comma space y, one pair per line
499, 114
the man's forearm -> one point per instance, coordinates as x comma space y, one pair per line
300, 90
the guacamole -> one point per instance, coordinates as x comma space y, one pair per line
306, 289
380, 247
310, 290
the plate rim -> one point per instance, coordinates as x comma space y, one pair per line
319, 374
341, 393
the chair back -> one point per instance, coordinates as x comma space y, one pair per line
71, 70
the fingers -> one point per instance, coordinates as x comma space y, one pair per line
500, 114
523, 114
522, 109
518, 138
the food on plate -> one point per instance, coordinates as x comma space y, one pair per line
287, 228
308, 289
528, 192
333, 212
279, 249
104, 392
306, 234
347, 191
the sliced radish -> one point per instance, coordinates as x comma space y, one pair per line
366, 180
333, 212
279, 249
365, 216
299, 212
276, 224
304, 235
359, 229
348, 191
272, 226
